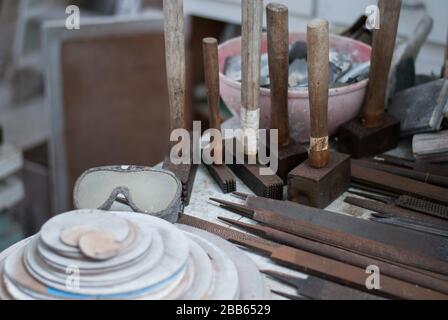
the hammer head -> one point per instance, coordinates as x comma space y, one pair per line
289, 157
320, 187
361, 142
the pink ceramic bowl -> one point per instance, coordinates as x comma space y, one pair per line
344, 103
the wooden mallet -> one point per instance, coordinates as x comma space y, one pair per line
324, 176
376, 132
290, 153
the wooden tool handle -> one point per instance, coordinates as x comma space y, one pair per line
382, 53
278, 50
419, 36
211, 72
175, 60
318, 65
252, 19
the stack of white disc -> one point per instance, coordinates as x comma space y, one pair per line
90, 254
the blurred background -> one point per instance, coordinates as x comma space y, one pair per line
75, 99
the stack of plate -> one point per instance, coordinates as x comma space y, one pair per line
90, 254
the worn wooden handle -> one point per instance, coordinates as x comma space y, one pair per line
175, 60
211, 72
419, 36
318, 65
252, 19
382, 53
278, 51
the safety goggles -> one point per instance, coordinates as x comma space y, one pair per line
143, 189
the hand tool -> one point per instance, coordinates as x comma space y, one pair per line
319, 289
339, 239
290, 153
394, 183
175, 68
289, 296
432, 147
407, 173
339, 272
359, 31
323, 177
376, 131
423, 210
341, 255
402, 73
420, 108
264, 185
293, 258
421, 243
219, 171
418, 165
411, 224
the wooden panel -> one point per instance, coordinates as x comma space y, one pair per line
115, 101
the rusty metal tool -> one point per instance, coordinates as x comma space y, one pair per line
219, 171
289, 153
323, 177
319, 289
175, 68
421, 243
420, 206
376, 132
339, 272
411, 224
403, 172
341, 255
290, 296
263, 185
343, 240
401, 185
420, 166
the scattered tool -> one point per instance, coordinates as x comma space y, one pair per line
402, 73
339, 272
431, 147
219, 171
418, 165
394, 183
411, 203
403, 172
343, 240
427, 245
359, 31
289, 296
376, 132
319, 289
270, 186
410, 224
290, 153
420, 108
323, 177
341, 255
175, 68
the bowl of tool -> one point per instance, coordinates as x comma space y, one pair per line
349, 71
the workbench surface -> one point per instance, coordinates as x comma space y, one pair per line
200, 206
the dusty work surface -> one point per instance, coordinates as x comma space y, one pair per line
200, 206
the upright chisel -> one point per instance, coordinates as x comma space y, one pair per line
376, 131
175, 68
219, 171
323, 177
289, 153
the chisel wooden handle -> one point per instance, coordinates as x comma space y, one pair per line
382, 53
252, 19
278, 51
211, 70
318, 65
175, 60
